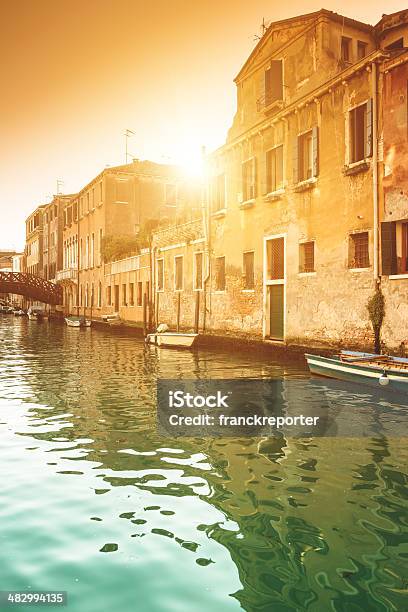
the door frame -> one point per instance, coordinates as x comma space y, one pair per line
266, 283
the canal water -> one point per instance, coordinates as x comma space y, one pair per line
94, 502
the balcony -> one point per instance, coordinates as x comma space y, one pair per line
68, 274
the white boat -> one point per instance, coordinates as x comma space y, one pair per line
19, 312
35, 314
172, 339
77, 322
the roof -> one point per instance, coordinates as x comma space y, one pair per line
307, 17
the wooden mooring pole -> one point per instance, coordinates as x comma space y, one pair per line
178, 311
197, 313
144, 303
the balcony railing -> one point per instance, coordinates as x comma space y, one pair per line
125, 265
66, 274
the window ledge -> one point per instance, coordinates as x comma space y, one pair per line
360, 269
218, 214
274, 195
302, 274
398, 276
357, 167
247, 203
304, 185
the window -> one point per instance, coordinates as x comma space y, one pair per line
198, 271
220, 273
358, 250
178, 273
274, 169
124, 302
87, 201
274, 82
99, 294
131, 294
87, 252
160, 274
394, 247
305, 156
276, 259
100, 192
140, 293
122, 190
306, 257
361, 49
100, 245
248, 180
345, 48
397, 44
360, 121
108, 295
92, 250
218, 193
248, 270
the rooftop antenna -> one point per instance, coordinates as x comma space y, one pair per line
128, 134
264, 27
60, 184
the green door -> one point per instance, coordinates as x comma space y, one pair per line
276, 311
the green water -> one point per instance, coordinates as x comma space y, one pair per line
94, 502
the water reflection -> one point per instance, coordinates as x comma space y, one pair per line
97, 503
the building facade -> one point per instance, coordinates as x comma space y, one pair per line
295, 244
113, 210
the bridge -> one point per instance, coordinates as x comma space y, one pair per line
30, 286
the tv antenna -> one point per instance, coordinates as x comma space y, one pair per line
128, 134
264, 27
60, 184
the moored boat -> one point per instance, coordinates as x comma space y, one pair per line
386, 371
172, 339
35, 314
73, 321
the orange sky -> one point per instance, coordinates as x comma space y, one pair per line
75, 73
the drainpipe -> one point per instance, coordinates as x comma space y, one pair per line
375, 170
206, 222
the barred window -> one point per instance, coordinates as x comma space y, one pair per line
248, 270
131, 294
220, 273
275, 259
358, 251
306, 257
124, 303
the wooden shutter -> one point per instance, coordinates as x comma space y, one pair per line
264, 172
369, 128
276, 80
268, 86
254, 177
295, 160
388, 248
315, 151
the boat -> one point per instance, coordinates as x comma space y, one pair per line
388, 372
19, 312
35, 314
163, 337
79, 321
